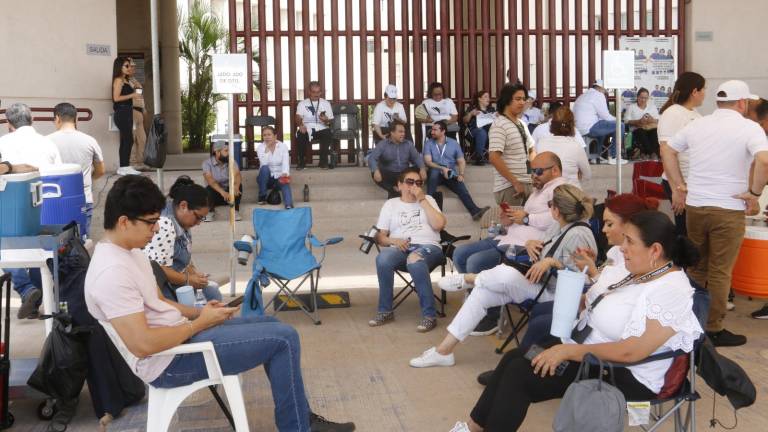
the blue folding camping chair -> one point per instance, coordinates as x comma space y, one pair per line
283, 245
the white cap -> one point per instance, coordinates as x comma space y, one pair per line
391, 91
531, 94
734, 90
598, 82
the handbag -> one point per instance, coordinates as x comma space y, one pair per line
591, 404
273, 197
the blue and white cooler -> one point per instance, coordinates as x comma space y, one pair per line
21, 201
63, 196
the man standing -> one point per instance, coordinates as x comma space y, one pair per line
216, 174
78, 148
313, 115
23, 145
446, 165
508, 148
722, 146
391, 156
593, 118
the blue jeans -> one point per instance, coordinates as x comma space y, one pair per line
391, 259
603, 129
480, 136
241, 345
88, 216
478, 256
267, 182
539, 325
25, 280
435, 178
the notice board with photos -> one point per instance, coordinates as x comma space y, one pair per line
655, 67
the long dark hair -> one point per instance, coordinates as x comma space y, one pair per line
185, 189
656, 227
476, 98
117, 67
686, 83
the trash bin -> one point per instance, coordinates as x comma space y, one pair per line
238, 146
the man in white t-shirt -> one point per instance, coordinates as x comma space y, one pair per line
78, 148
722, 146
385, 112
438, 107
314, 115
121, 291
593, 118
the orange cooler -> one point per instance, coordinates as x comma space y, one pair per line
750, 274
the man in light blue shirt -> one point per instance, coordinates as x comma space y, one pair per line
445, 160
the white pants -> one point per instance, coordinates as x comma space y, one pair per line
495, 287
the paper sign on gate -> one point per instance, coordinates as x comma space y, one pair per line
619, 69
230, 73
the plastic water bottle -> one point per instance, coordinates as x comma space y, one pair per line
200, 299
493, 229
306, 193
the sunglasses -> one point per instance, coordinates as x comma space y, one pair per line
539, 171
411, 182
150, 222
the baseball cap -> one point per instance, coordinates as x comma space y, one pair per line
598, 82
391, 91
219, 144
531, 94
734, 90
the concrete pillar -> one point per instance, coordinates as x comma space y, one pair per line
170, 89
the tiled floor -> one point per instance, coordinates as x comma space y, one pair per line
353, 372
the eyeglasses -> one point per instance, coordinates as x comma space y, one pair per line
150, 222
197, 216
411, 182
539, 171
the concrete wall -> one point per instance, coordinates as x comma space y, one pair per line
737, 49
44, 61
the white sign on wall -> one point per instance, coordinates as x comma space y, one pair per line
619, 69
230, 73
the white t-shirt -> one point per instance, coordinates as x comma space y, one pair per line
383, 114
543, 131
82, 149
310, 113
623, 313
26, 146
120, 282
442, 110
408, 220
615, 258
572, 157
672, 121
634, 112
278, 161
721, 146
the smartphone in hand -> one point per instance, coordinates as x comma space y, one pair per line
236, 302
504, 206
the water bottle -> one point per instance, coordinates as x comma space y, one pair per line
200, 299
493, 229
366, 246
306, 193
242, 256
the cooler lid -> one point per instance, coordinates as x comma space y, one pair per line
60, 169
756, 232
20, 177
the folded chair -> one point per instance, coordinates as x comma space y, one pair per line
448, 244
647, 181
283, 246
163, 402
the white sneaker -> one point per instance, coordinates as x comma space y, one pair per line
238, 217
453, 282
460, 426
730, 306
430, 358
612, 161
126, 170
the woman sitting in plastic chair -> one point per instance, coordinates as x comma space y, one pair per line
625, 318
120, 289
504, 284
410, 226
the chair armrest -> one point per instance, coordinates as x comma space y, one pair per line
188, 348
315, 242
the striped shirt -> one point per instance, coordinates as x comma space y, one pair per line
505, 137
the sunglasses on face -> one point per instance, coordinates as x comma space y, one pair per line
411, 182
539, 171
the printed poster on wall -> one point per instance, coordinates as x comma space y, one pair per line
655, 67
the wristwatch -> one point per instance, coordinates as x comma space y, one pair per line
526, 220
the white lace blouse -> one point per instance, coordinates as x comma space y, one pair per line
623, 313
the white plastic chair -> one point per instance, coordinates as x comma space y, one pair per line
163, 402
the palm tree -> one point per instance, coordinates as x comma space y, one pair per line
203, 34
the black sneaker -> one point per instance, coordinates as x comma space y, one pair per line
485, 377
761, 313
321, 424
29, 303
724, 338
487, 326
480, 213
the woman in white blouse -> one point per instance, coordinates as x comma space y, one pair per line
642, 118
564, 144
624, 319
275, 167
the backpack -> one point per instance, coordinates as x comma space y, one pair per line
156, 147
273, 197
